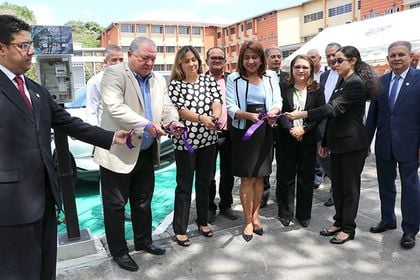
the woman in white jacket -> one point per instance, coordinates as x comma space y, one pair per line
251, 93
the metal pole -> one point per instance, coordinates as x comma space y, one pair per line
65, 173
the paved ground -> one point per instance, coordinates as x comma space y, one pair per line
281, 253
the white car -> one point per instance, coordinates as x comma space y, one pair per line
81, 152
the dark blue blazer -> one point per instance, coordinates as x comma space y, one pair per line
397, 131
26, 164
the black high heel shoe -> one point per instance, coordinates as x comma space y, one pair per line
259, 231
326, 232
247, 237
335, 240
204, 233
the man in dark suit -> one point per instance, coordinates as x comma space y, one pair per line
216, 61
274, 58
29, 189
328, 81
395, 116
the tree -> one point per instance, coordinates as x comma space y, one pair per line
21, 12
85, 33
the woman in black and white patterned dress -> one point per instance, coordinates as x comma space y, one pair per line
197, 98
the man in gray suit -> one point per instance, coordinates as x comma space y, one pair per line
134, 97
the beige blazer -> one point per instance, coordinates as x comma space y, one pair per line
123, 108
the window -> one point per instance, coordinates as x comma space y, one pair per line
184, 30
160, 49
170, 49
232, 30
157, 28
308, 38
359, 4
219, 35
196, 30
242, 27
198, 49
127, 28
170, 29
416, 5
232, 48
141, 28
313, 17
249, 25
391, 11
287, 53
158, 67
339, 10
169, 67
372, 15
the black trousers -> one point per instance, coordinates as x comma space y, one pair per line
29, 251
223, 148
117, 189
202, 163
346, 172
296, 171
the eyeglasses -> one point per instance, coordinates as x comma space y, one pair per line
298, 67
215, 58
24, 46
340, 60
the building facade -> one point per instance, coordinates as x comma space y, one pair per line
288, 28
168, 36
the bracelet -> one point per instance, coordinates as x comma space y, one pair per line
199, 118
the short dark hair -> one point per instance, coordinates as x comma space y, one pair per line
9, 25
256, 47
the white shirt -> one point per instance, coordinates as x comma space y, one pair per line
317, 75
400, 82
93, 99
330, 84
12, 76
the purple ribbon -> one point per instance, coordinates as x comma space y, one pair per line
251, 130
184, 129
217, 123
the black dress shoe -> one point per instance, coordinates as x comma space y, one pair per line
126, 262
304, 223
229, 213
408, 241
326, 232
329, 202
335, 240
381, 227
285, 222
211, 216
259, 231
151, 248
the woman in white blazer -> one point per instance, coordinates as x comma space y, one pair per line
252, 92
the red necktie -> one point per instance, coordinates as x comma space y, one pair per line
21, 88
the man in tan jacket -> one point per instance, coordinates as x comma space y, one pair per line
134, 97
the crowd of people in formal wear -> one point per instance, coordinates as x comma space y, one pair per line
312, 122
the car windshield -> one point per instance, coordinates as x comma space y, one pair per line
79, 99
